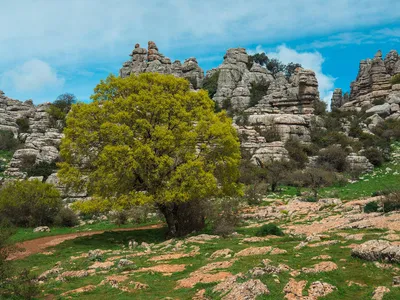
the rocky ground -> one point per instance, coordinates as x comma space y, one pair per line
331, 250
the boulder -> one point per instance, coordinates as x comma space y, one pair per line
41, 229
377, 250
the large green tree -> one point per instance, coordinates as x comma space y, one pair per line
149, 139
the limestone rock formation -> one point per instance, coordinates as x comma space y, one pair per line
40, 143
151, 60
372, 87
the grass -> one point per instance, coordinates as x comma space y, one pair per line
161, 286
5, 157
25, 234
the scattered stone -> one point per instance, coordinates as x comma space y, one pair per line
164, 268
379, 292
276, 251
376, 250
132, 244
138, 285
198, 277
124, 262
201, 238
254, 251
200, 295
247, 290
102, 265
224, 253
325, 243
320, 289
294, 289
172, 256
351, 283
255, 239
80, 290
321, 257
396, 281
325, 266
41, 229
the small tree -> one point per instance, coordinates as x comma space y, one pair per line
291, 68
210, 84
59, 109
149, 139
334, 158
315, 178
277, 172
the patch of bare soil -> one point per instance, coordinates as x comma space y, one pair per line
39, 245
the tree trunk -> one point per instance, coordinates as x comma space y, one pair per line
183, 218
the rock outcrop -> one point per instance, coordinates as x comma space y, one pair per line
151, 60
40, 142
372, 90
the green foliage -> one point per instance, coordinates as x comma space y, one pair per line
59, 109
396, 79
269, 229
29, 203
389, 130
223, 214
371, 207
273, 65
314, 178
149, 139
297, 152
319, 107
66, 218
391, 202
13, 284
23, 124
257, 91
333, 158
310, 199
210, 84
7, 141
43, 168
374, 156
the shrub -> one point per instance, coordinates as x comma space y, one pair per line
92, 207
29, 203
66, 217
315, 178
270, 134
257, 91
7, 141
27, 161
223, 214
23, 124
242, 119
269, 229
333, 157
374, 156
319, 107
140, 214
119, 217
277, 172
391, 202
297, 152
255, 192
210, 84
310, 199
380, 193
371, 207
59, 109
396, 79
251, 173
43, 168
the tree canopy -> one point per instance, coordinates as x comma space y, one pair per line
149, 139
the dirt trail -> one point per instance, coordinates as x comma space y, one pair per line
40, 244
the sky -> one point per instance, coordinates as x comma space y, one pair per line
51, 47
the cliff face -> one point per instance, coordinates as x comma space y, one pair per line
372, 90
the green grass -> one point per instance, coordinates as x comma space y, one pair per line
5, 157
25, 234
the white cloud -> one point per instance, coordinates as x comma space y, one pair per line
33, 75
308, 60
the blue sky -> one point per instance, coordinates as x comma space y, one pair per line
51, 47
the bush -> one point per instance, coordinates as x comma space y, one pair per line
319, 107
210, 84
391, 202
66, 217
29, 203
223, 214
119, 217
269, 229
371, 207
59, 109
7, 141
13, 284
277, 172
314, 178
254, 193
23, 124
270, 134
140, 214
92, 207
257, 91
44, 169
297, 152
334, 158
396, 79
374, 156
310, 199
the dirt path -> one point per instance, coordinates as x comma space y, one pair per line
40, 244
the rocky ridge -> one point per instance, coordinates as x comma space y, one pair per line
372, 91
